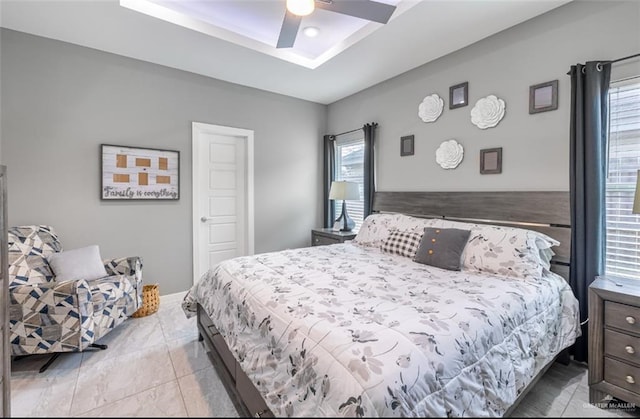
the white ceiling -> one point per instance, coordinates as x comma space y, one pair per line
256, 24
418, 32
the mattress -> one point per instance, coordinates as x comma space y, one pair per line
348, 330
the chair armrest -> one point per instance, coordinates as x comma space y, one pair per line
57, 307
132, 268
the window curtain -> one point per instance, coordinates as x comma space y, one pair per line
369, 167
329, 176
588, 162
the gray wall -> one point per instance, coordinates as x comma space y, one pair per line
535, 147
60, 102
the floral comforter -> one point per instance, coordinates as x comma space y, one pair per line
347, 330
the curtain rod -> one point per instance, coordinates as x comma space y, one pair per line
375, 124
347, 132
599, 65
625, 58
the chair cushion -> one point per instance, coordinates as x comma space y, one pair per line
109, 290
81, 263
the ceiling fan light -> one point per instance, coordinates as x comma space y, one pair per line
300, 7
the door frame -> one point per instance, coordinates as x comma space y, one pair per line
198, 128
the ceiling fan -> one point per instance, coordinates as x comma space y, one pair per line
296, 9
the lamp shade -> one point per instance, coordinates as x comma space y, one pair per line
344, 190
636, 199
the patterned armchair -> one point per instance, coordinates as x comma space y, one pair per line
46, 316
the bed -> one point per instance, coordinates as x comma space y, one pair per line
355, 329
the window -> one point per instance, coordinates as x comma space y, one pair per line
623, 227
350, 167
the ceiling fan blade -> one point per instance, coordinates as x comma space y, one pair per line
289, 30
364, 9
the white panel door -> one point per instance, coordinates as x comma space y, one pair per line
221, 196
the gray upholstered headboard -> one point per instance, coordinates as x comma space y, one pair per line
547, 212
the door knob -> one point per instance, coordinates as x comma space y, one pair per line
204, 219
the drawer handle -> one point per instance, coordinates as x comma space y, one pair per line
630, 380
629, 349
631, 320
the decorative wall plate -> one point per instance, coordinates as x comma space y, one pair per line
487, 112
449, 154
430, 108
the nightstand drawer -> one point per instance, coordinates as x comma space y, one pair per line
322, 240
622, 374
620, 345
622, 316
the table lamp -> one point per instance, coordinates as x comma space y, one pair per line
345, 191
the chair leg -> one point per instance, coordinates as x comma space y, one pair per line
57, 354
98, 345
49, 362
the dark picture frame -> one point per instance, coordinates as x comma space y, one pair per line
543, 97
407, 145
491, 161
459, 95
139, 173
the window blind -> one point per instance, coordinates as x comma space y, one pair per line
623, 227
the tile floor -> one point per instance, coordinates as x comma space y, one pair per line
155, 367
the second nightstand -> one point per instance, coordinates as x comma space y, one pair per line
614, 339
322, 236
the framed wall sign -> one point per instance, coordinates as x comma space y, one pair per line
130, 173
459, 95
406, 145
491, 161
543, 97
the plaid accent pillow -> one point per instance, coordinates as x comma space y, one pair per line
403, 243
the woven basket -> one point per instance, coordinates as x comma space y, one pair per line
150, 301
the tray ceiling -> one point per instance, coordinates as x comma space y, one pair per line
234, 40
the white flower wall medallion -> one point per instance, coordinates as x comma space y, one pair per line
431, 108
487, 112
449, 154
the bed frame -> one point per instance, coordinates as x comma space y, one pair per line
547, 212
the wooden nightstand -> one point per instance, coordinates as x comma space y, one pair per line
614, 339
322, 236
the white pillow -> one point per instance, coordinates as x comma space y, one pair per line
375, 229
503, 250
81, 263
545, 256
